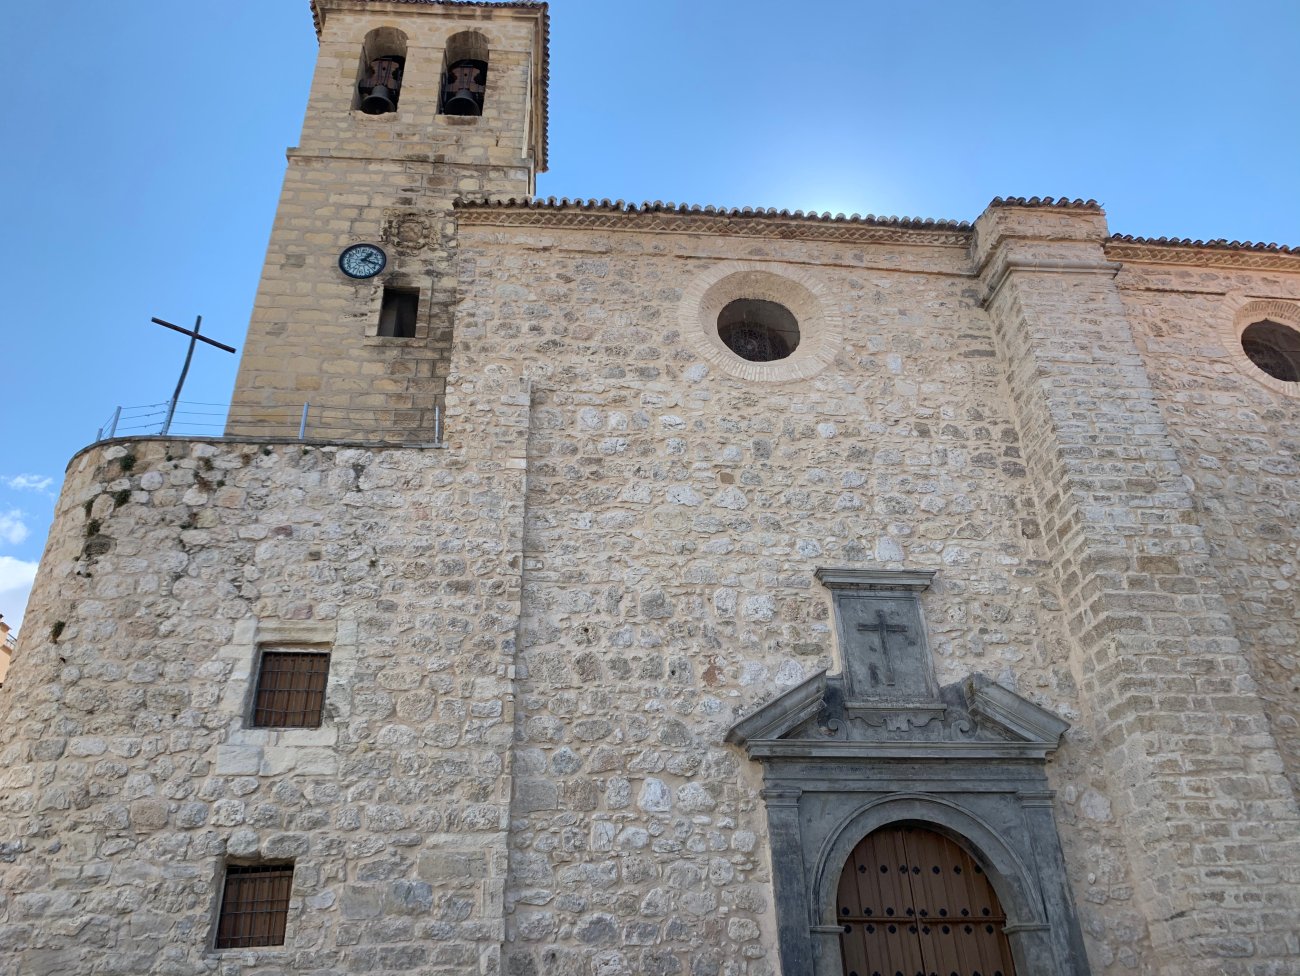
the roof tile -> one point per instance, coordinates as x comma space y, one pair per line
1220, 244
1060, 203
658, 206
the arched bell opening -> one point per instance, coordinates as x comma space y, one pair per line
379, 76
464, 76
913, 900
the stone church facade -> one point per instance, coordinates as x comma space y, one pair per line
642, 580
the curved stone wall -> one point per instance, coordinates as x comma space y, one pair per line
131, 775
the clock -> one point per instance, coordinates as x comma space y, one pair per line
362, 260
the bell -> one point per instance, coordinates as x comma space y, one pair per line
382, 83
378, 101
461, 103
462, 89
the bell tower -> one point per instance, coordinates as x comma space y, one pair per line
413, 103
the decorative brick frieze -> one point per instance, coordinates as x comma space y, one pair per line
686, 219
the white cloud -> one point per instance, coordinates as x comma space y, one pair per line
16, 577
13, 529
29, 482
15, 573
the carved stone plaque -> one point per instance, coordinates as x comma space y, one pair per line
884, 651
878, 615
408, 229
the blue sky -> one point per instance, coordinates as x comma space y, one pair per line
145, 147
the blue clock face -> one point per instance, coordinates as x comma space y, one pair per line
362, 260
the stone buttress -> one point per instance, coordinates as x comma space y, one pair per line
1210, 822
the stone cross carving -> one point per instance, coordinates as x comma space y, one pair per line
884, 629
886, 659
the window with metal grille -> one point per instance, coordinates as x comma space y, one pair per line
1274, 348
758, 330
254, 905
291, 689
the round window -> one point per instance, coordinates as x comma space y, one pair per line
1274, 348
758, 330
761, 322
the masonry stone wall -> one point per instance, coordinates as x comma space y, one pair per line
1236, 430
130, 776
388, 179
541, 629
1194, 768
675, 516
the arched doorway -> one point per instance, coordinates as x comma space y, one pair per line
913, 903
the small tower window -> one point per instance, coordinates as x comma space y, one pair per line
1274, 348
758, 330
399, 312
464, 81
379, 77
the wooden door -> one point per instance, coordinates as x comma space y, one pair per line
913, 903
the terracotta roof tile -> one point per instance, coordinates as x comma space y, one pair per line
507, 4
1061, 203
1219, 244
659, 207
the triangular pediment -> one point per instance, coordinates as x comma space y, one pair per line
975, 718
788, 712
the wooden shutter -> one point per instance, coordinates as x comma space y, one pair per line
291, 689
254, 905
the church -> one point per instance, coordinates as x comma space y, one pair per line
585, 588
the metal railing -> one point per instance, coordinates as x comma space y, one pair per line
189, 419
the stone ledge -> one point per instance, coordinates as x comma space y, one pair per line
258, 441
875, 579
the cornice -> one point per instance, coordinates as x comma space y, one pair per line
695, 219
836, 578
1203, 254
812, 750
1004, 266
318, 19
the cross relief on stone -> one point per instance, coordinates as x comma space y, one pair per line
884, 629
886, 659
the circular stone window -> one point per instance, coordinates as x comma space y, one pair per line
758, 330
1263, 342
1274, 348
761, 321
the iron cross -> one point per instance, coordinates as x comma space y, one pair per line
884, 628
194, 337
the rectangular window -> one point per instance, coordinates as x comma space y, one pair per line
254, 905
398, 313
291, 689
